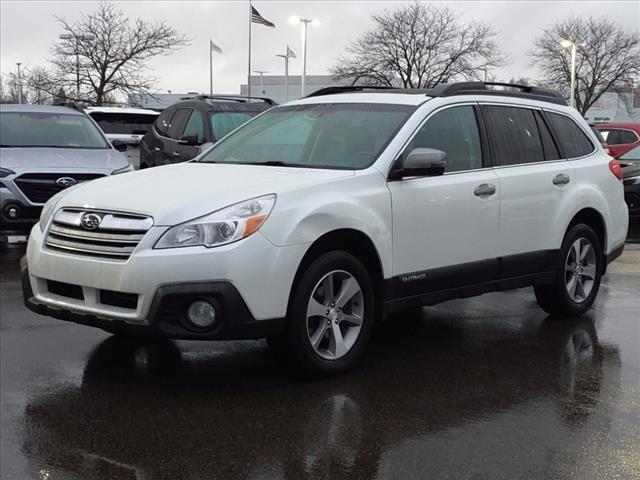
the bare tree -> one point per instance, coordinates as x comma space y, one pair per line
607, 55
112, 53
420, 45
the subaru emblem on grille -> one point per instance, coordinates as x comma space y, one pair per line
65, 182
90, 221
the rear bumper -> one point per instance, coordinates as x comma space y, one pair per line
166, 316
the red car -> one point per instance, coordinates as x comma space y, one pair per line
620, 137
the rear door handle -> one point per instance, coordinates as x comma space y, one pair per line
156, 149
484, 190
176, 154
561, 179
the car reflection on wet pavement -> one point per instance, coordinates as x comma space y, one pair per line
479, 388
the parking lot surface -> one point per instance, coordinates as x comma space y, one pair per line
483, 388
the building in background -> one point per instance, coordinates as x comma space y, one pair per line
622, 105
272, 86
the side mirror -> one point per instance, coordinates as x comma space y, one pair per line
423, 162
190, 140
119, 145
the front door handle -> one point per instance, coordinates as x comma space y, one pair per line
561, 179
156, 149
484, 190
176, 154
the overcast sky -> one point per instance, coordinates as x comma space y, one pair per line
28, 29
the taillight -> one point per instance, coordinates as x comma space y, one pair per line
614, 167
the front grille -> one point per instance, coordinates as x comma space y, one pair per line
119, 299
65, 289
116, 237
40, 187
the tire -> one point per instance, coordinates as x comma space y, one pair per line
572, 294
342, 334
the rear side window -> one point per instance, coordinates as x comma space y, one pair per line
619, 136
572, 139
513, 135
164, 121
455, 132
178, 122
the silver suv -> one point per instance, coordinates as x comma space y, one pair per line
44, 150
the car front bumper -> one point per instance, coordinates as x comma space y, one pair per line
251, 279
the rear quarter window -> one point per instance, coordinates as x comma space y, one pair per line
573, 141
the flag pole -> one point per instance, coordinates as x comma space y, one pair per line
210, 68
249, 66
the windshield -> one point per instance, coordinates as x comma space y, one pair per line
124, 123
31, 129
336, 136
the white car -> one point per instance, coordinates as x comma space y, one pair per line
313, 220
124, 125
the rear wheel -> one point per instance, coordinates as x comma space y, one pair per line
331, 315
577, 275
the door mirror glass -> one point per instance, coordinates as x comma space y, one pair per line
189, 140
119, 145
423, 162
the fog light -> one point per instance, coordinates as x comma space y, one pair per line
12, 212
201, 313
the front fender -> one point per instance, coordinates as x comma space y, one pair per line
361, 203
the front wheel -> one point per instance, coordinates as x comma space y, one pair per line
578, 274
331, 314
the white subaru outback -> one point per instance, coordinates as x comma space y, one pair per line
318, 217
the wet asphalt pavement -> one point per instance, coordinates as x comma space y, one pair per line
483, 388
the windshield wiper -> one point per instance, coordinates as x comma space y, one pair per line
270, 163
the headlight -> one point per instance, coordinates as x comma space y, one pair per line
221, 227
50, 207
5, 172
47, 212
128, 168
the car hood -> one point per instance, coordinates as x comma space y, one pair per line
27, 158
177, 193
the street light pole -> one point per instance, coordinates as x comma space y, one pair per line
572, 100
574, 48
261, 72
19, 83
286, 76
304, 22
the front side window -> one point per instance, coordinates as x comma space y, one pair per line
224, 122
40, 129
123, 123
513, 135
335, 136
572, 139
455, 132
195, 127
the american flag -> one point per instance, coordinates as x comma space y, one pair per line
257, 18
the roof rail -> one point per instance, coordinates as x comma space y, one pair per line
460, 88
346, 89
233, 98
510, 90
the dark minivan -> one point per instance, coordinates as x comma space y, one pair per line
188, 127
